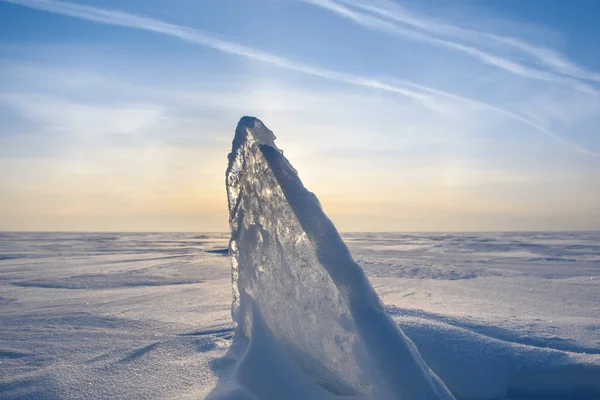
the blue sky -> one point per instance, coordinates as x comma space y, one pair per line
400, 116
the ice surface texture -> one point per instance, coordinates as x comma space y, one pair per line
315, 326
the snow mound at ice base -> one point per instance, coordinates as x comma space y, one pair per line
310, 326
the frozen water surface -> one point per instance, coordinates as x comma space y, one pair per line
110, 339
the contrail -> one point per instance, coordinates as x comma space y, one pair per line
376, 23
392, 11
198, 37
204, 39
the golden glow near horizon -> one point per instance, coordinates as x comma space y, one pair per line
162, 189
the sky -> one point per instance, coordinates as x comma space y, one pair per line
118, 115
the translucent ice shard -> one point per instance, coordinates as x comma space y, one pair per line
315, 326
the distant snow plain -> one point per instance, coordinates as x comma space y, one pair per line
147, 315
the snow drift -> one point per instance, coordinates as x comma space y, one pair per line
314, 325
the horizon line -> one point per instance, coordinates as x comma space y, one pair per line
340, 231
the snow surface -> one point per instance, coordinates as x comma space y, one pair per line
148, 315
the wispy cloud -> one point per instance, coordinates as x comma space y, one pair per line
387, 19
561, 64
423, 94
60, 115
198, 37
